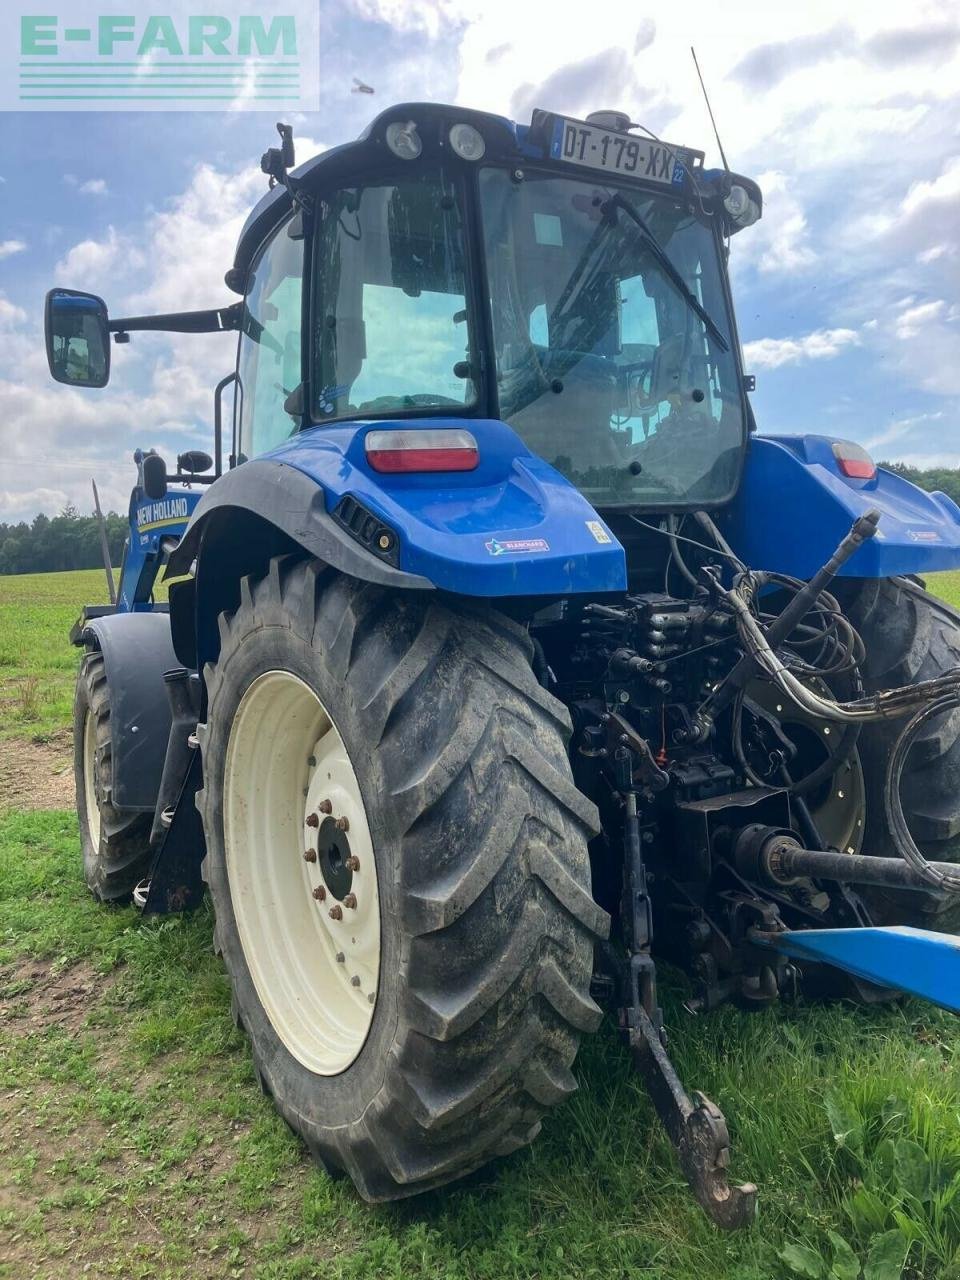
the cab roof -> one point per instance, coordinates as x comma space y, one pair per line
506, 142
431, 117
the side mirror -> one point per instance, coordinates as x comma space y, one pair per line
154, 471
77, 337
194, 462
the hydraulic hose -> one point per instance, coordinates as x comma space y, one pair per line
862, 529
940, 876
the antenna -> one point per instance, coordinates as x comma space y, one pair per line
716, 131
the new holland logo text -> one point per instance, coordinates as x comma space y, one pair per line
154, 513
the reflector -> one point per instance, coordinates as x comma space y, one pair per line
853, 460
443, 449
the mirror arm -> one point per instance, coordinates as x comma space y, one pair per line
216, 321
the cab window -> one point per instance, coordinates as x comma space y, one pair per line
393, 330
269, 364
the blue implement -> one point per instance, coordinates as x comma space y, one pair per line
919, 961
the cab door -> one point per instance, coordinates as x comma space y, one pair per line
267, 408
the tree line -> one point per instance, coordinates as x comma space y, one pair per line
72, 541
65, 541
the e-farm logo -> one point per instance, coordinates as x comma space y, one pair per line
106, 56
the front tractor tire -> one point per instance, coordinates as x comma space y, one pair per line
910, 636
397, 857
115, 842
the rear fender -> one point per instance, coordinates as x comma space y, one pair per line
137, 650
512, 527
257, 511
794, 506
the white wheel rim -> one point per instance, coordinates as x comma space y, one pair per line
91, 804
316, 975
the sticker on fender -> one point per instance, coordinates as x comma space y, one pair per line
515, 546
599, 532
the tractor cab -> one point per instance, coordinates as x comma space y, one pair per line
566, 278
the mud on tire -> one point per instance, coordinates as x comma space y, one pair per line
910, 636
480, 840
115, 842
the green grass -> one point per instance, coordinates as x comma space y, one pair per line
946, 585
132, 1133
134, 1141
37, 664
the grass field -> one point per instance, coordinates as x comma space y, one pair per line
134, 1141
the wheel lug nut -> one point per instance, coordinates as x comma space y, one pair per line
340, 957
320, 894
354, 981
372, 997
336, 912
350, 900
352, 863
343, 824
312, 820
325, 806
309, 855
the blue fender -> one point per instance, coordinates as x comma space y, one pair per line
514, 526
794, 505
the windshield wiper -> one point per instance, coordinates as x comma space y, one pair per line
669, 270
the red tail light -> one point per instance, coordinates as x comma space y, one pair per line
853, 460
422, 449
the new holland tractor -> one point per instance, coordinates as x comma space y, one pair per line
503, 657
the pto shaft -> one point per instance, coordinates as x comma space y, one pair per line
777, 858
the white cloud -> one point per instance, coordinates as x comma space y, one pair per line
780, 242
161, 389
903, 429
95, 263
427, 16
941, 190
9, 247
10, 314
92, 186
23, 504
936, 252
822, 344
913, 319
925, 345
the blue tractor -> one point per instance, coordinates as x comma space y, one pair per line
503, 658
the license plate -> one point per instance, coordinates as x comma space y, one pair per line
586, 144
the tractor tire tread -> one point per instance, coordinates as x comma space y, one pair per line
496, 911
910, 635
123, 858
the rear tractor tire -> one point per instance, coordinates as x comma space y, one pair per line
115, 842
397, 857
910, 636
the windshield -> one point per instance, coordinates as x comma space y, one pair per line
612, 339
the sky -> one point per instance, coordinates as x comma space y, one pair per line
848, 115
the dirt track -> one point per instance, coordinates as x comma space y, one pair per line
37, 775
